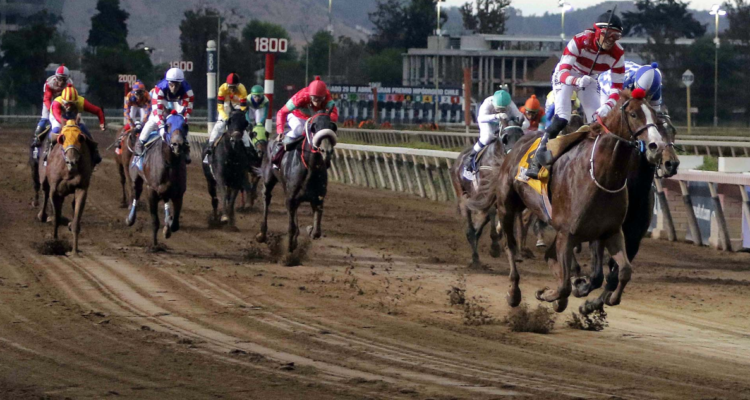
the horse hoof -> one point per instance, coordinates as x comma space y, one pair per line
474, 264
224, 219
540, 243
513, 297
167, 232
260, 238
34, 204
123, 204
591, 306
540, 294
175, 226
611, 300
495, 250
310, 230
560, 305
581, 288
527, 254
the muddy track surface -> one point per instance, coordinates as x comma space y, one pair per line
366, 315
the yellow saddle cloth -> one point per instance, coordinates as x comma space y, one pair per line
539, 185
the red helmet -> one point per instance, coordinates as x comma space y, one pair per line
62, 71
233, 79
317, 88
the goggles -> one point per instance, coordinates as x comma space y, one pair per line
317, 99
611, 34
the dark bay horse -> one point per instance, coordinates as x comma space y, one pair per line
587, 193
127, 144
67, 171
466, 189
228, 170
303, 173
637, 219
165, 177
35, 155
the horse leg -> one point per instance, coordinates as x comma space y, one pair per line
230, 206
176, 210
507, 220
214, 201
57, 203
35, 181
291, 208
222, 195
560, 266
42, 216
153, 205
473, 238
616, 247
123, 183
315, 230
267, 193
522, 232
494, 237
80, 203
137, 190
168, 219
252, 191
582, 286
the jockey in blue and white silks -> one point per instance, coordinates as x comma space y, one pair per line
646, 77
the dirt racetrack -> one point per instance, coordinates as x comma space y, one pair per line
366, 316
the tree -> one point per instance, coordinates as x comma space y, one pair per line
738, 15
403, 26
318, 52
490, 16
385, 67
663, 21
196, 29
108, 55
109, 27
25, 55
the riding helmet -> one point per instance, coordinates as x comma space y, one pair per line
648, 78
233, 79
175, 75
317, 88
501, 98
62, 71
69, 94
257, 90
532, 104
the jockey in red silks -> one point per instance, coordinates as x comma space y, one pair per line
136, 110
68, 106
587, 55
304, 104
53, 87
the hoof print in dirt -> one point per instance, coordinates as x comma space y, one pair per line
159, 248
53, 247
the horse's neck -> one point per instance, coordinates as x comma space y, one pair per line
613, 160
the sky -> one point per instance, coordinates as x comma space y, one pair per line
539, 7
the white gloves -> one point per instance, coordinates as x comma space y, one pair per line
605, 108
502, 116
162, 130
584, 81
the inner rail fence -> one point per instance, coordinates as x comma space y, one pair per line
701, 207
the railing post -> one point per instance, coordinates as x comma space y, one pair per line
395, 172
406, 173
380, 172
724, 241
348, 168
388, 171
441, 181
362, 170
333, 166
671, 234
452, 191
430, 179
692, 222
419, 179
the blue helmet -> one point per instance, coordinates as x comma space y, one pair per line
648, 78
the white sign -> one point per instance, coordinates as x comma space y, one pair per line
694, 110
186, 66
374, 85
122, 78
271, 45
688, 78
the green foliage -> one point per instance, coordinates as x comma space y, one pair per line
318, 53
385, 67
664, 21
738, 15
710, 163
109, 27
25, 57
403, 26
490, 16
103, 64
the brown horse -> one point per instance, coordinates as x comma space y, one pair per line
588, 196
165, 175
467, 189
127, 143
67, 171
303, 174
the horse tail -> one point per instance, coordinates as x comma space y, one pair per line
486, 194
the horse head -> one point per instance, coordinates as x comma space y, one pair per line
635, 119
236, 127
510, 132
176, 133
324, 138
670, 160
70, 139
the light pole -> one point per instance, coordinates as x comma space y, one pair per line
716, 11
437, 65
330, 43
563, 7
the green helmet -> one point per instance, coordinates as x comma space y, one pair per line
257, 89
501, 98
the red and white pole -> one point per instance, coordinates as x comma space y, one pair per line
268, 88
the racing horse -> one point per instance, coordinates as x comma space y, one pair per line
35, 154
588, 195
637, 219
227, 172
466, 189
164, 173
67, 171
123, 159
303, 173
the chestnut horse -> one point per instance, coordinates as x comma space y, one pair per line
587, 193
467, 189
127, 143
165, 176
303, 174
67, 171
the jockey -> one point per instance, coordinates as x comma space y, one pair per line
532, 111
257, 111
549, 105
492, 112
68, 106
172, 89
587, 55
304, 104
646, 77
136, 109
232, 96
52, 89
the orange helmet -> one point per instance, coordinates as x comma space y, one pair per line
317, 88
532, 104
69, 94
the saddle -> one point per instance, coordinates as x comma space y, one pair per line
291, 144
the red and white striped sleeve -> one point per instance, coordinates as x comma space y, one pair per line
570, 55
158, 105
187, 103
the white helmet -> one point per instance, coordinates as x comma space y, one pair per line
175, 75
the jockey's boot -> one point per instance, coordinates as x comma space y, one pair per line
277, 154
37, 132
139, 146
96, 158
207, 153
542, 156
470, 162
